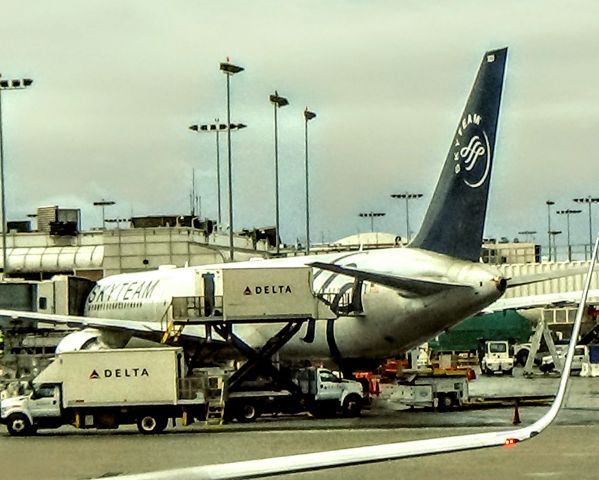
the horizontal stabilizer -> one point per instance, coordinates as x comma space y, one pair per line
547, 300
543, 276
414, 285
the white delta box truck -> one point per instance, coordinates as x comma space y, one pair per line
104, 389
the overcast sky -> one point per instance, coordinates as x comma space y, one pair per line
117, 83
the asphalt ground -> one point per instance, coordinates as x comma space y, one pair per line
566, 450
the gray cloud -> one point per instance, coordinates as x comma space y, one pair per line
117, 84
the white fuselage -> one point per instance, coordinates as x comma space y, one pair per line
391, 320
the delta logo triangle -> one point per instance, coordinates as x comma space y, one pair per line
94, 375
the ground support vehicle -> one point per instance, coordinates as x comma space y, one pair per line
107, 388
590, 367
259, 386
438, 392
497, 358
317, 390
581, 356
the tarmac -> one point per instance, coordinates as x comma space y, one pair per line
566, 450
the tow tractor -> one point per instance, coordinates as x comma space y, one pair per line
497, 358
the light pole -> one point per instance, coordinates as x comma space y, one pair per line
277, 102
103, 203
308, 115
229, 70
18, 84
589, 200
554, 233
372, 215
217, 128
529, 235
549, 203
407, 197
567, 213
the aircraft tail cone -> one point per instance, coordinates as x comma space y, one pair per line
516, 416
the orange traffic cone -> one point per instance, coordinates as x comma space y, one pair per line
516, 417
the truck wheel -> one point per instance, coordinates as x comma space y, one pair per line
522, 357
352, 406
247, 412
148, 424
19, 425
445, 402
546, 368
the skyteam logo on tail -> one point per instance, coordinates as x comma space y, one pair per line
471, 151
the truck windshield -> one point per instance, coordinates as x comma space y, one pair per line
328, 377
498, 347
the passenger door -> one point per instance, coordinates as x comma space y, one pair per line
330, 387
45, 401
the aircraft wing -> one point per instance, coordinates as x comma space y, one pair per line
138, 328
147, 330
414, 285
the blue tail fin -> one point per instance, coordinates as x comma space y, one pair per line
455, 219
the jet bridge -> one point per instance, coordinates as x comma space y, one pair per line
281, 296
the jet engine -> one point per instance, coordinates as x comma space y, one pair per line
89, 339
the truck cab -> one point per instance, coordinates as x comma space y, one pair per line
497, 358
40, 408
325, 392
581, 355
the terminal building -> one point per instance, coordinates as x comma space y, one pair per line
58, 246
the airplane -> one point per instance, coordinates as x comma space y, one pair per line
400, 296
269, 467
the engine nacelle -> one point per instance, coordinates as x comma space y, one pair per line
87, 339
